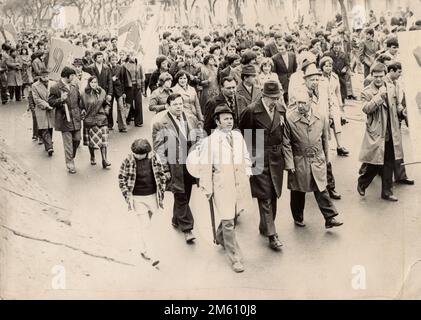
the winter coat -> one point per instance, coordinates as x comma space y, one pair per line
14, 75
305, 147
172, 147
94, 104
224, 172
267, 178
372, 149
44, 114
73, 105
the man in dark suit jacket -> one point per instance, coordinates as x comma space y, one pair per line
284, 64
233, 60
105, 80
172, 135
227, 96
247, 88
266, 114
272, 48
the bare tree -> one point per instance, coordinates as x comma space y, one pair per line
344, 15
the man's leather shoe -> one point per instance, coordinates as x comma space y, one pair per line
174, 225
189, 237
299, 224
390, 198
342, 152
274, 243
360, 190
332, 222
237, 267
409, 182
50, 152
334, 195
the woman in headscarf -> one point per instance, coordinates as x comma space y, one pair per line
95, 120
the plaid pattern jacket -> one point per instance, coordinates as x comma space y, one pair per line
127, 177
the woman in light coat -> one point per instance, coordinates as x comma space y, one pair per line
330, 82
191, 101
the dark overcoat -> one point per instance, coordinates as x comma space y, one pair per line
267, 157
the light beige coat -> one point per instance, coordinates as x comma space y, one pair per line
224, 171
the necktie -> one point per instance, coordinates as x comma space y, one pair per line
181, 124
231, 102
229, 138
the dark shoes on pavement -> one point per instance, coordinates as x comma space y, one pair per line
342, 152
50, 152
408, 182
274, 243
332, 222
105, 164
334, 195
360, 190
188, 235
390, 198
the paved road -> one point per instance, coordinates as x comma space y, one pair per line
381, 237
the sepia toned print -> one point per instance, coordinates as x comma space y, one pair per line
166, 149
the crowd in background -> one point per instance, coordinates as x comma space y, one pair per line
232, 69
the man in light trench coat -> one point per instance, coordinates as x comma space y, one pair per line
382, 143
306, 152
45, 114
224, 172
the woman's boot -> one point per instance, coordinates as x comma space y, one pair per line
92, 153
105, 163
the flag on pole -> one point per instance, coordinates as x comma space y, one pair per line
8, 32
62, 53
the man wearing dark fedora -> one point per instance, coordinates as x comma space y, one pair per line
224, 157
247, 88
262, 124
306, 151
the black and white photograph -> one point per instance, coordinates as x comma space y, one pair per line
210, 150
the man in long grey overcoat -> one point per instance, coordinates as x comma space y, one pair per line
306, 152
382, 143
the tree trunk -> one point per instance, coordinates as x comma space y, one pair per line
344, 16
238, 12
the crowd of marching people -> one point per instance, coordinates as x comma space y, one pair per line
270, 98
